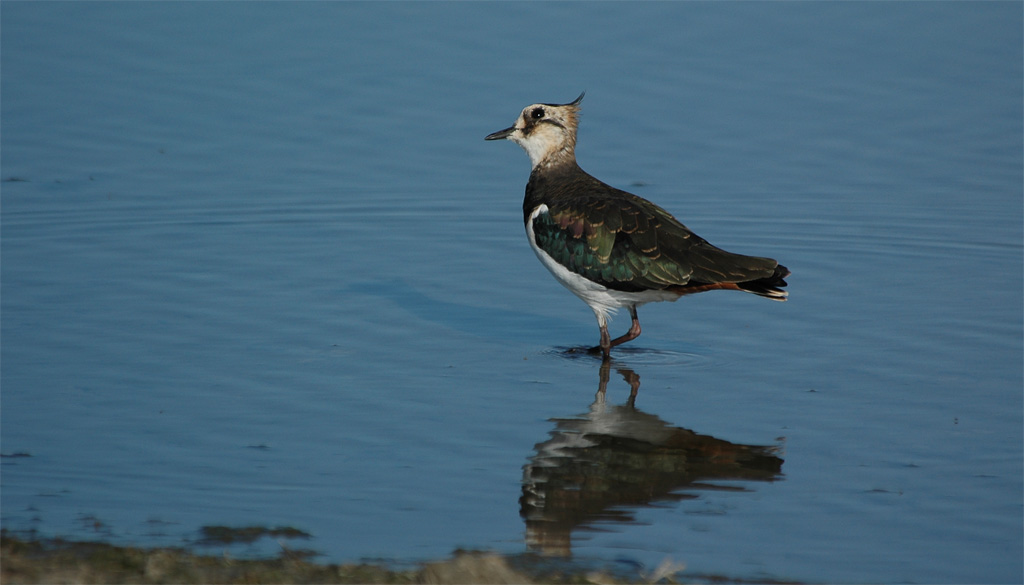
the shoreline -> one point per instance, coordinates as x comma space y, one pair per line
56, 560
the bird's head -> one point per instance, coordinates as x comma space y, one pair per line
547, 132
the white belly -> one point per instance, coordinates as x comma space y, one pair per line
602, 300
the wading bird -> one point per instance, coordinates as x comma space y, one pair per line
611, 248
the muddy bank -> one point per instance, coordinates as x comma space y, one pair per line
61, 561
29, 560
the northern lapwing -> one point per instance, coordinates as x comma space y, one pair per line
611, 248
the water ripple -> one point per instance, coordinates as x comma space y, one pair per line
637, 356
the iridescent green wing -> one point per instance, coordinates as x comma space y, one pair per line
616, 242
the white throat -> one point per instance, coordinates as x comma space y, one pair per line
544, 146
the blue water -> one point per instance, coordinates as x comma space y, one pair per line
259, 267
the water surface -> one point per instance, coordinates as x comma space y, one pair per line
260, 268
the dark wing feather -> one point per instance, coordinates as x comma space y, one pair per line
627, 243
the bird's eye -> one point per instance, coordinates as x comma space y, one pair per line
537, 113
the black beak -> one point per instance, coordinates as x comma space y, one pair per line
501, 134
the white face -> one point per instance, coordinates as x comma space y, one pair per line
543, 131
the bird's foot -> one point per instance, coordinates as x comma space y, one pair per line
596, 350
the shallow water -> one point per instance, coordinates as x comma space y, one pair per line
260, 267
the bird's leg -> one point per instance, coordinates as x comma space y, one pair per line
633, 333
607, 343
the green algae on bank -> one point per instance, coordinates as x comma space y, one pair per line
62, 561
246, 534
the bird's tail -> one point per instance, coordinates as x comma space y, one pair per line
769, 287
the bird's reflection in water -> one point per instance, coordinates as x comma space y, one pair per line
599, 465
